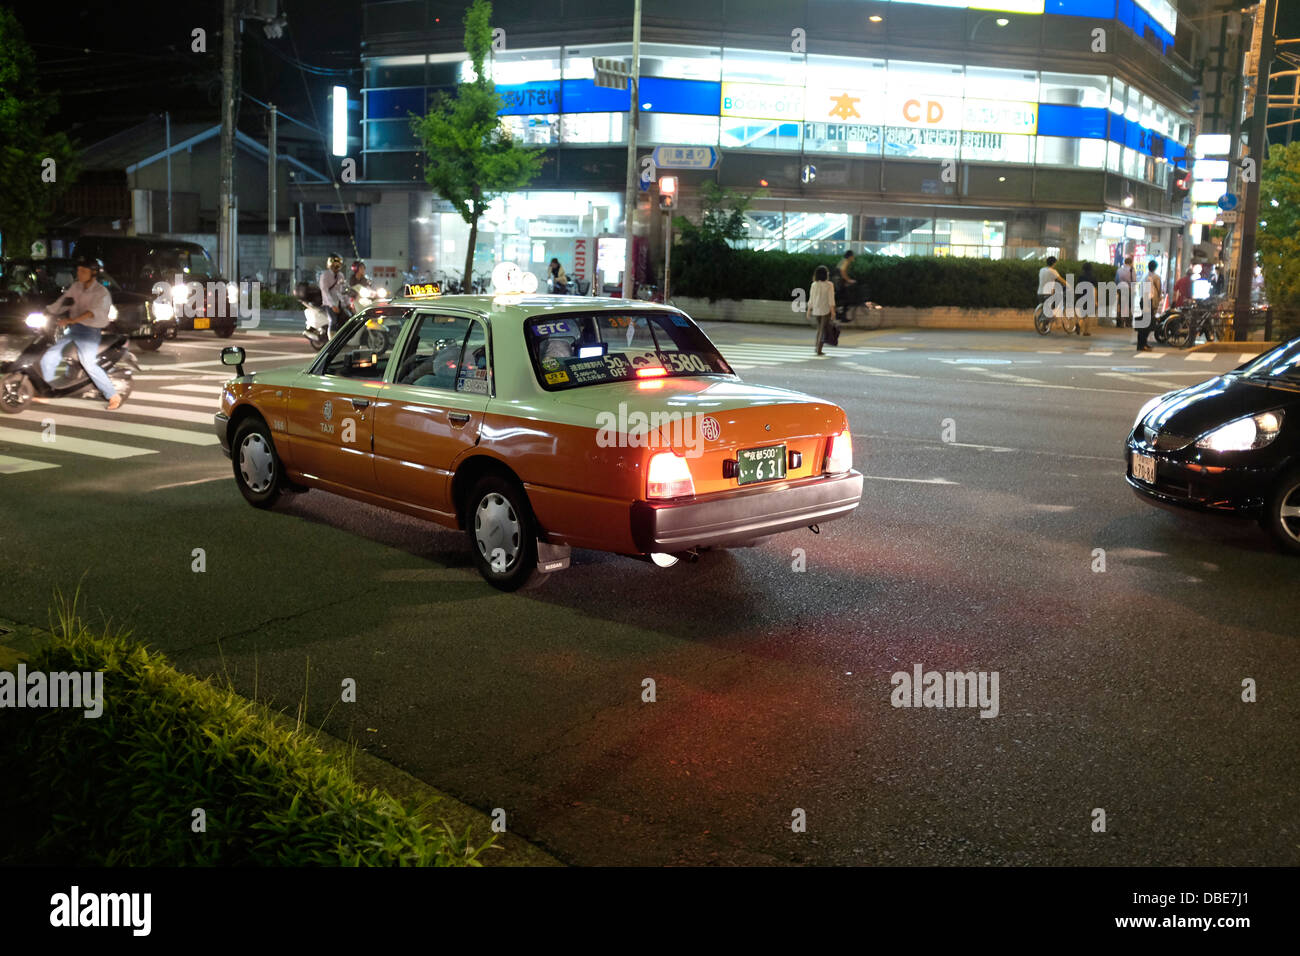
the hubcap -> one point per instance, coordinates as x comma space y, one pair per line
256, 463
1289, 512
497, 529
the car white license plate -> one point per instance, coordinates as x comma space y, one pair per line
1144, 468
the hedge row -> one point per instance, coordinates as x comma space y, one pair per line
120, 789
921, 281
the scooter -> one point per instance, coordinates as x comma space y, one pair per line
317, 318
22, 379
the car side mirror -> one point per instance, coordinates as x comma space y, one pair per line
233, 355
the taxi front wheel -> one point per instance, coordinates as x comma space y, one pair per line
257, 467
501, 533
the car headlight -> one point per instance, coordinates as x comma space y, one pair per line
1244, 434
36, 320
163, 312
179, 292
381, 293
1147, 408
232, 293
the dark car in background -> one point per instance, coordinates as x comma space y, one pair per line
143, 263
1230, 445
29, 285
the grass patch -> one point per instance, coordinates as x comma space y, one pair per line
121, 789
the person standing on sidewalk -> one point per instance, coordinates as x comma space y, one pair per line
1125, 277
821, 303
86, 302
1149, 306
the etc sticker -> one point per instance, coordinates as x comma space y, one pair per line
553, 328
555, 378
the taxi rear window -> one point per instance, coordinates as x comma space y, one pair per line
569, 351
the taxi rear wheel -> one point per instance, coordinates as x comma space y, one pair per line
501, 533
258, 471
1283, 517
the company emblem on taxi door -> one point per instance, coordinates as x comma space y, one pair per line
710, 428
327, 409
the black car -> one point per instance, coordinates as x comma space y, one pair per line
145, 264
29, 285
1230, 445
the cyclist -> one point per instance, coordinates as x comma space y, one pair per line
1048, 279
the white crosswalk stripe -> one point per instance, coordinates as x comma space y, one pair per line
169, 399
748, 355
212, 389
140, 411
182, 436
14, 466
75, 446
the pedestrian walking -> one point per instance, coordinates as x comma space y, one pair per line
1149, 305
821, 304
1125, 277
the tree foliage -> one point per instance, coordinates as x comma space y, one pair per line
1278, 238
26, 199
469, 157
706, 253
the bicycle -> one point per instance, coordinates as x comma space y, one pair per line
1043, 322
1185, 324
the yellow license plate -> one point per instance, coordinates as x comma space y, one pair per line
203, 323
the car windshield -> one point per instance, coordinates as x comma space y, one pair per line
192, 263
1281, 362
569, 351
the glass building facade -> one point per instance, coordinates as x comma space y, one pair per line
898, 154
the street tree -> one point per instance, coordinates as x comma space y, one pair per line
469, 157
1278, 237
706, 243
36, 166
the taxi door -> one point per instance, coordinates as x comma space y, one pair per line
432, 409
329, 412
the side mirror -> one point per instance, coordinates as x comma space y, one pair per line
233, 355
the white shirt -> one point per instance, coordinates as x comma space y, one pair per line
332, 284
79, 299
1047, 280
821, 298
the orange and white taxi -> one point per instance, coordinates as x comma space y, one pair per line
538, 424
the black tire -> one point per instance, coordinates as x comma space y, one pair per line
1285, 529
16, 393
1042, 322
1178, 331
1160, 333
224, 331
506, 556
249, 451
152, 344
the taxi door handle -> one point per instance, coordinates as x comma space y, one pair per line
458, 418
360, 403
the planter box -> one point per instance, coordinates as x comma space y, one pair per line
771, 312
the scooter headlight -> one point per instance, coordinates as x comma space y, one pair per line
37, 320
163, 312
112, 313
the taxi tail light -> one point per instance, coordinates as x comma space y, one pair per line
669, 476
839, 453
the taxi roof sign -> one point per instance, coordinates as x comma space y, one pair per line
421, 290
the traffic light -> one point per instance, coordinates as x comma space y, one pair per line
667, 192
1180, 184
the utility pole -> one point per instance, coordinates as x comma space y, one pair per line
633, 124
167, 122
225, 228
1261, 55
271, 177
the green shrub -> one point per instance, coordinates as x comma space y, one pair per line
921, 281
118, 790
278, 300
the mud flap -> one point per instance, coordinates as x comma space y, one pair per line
552, 557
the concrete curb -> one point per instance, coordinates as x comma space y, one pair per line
20, 641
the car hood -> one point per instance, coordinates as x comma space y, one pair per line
1193, 411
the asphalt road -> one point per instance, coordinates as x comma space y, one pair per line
1118, 690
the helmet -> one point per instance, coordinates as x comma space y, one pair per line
333, 258
90, 262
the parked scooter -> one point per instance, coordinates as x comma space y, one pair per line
22, 377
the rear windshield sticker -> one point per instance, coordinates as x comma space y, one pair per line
559, 327
555, 378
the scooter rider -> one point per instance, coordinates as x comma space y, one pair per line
87, 302
333, 292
